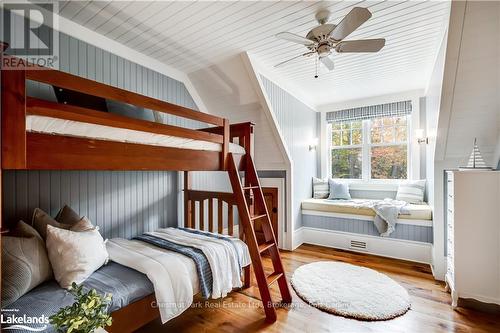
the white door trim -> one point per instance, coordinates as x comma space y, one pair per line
279, 183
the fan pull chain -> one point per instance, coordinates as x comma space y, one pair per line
316, 76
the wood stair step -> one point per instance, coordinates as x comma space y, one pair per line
250, 208
273, 278
250, 188
256, 217
265, 246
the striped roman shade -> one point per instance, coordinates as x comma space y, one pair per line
368, 112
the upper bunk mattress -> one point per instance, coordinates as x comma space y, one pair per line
412, 211
48, 125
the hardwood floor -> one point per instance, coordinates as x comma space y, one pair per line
241, 311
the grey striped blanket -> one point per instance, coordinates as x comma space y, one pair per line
201, 262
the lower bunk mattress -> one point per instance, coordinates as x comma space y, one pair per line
165, 263
127, 286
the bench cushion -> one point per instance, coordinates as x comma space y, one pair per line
416, 212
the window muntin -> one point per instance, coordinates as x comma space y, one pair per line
347, 134
370, 149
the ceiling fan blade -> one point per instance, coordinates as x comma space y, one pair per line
327, 62
364, 45
296, 57
353, 20
295, 38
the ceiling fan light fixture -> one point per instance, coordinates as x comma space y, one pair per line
324, 50
325, 37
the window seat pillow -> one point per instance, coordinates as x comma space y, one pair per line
412, 211
321, 188
411, 191
75, 255
338, 190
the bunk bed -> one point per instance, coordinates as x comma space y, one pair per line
44, 135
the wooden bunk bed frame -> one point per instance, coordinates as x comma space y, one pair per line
22, 150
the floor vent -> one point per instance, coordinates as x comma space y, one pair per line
358, 245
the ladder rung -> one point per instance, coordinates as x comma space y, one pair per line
273, 278
265, 246
250, 188
256, 217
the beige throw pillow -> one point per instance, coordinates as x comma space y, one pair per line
75, 255
67, 216
83, 224
24, 262
41, 220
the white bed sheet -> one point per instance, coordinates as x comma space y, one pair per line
49, 125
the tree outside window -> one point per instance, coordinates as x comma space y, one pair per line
347, 140
376, 148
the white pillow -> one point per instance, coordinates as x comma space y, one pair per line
411, 191
321, 189
74, 256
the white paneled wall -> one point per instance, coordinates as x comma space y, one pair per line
298, 125
470, 104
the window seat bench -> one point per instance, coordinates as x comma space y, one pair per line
413, 214
344, 225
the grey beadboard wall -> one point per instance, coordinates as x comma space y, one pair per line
365, 227
299, 126
122, 203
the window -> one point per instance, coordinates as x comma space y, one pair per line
347, 140
374, 148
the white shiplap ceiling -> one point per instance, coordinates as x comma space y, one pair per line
193, 35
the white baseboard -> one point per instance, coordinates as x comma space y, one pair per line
480, 298
387, 247
298, 238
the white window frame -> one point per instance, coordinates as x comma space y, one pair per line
366, 146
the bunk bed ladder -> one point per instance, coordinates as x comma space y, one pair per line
252, 208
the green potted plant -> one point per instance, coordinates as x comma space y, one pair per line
88, 313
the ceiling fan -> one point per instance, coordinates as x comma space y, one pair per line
326, 37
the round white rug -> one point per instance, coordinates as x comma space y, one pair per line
350, 291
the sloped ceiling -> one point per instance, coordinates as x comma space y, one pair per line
470, 102
193, 35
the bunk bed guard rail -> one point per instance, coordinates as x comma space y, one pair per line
28, 150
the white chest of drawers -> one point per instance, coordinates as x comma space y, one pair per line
472, 203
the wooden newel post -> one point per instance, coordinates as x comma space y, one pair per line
187, 204
13, 114
225, 144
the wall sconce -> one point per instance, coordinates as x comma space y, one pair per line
314, 143
421, 138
